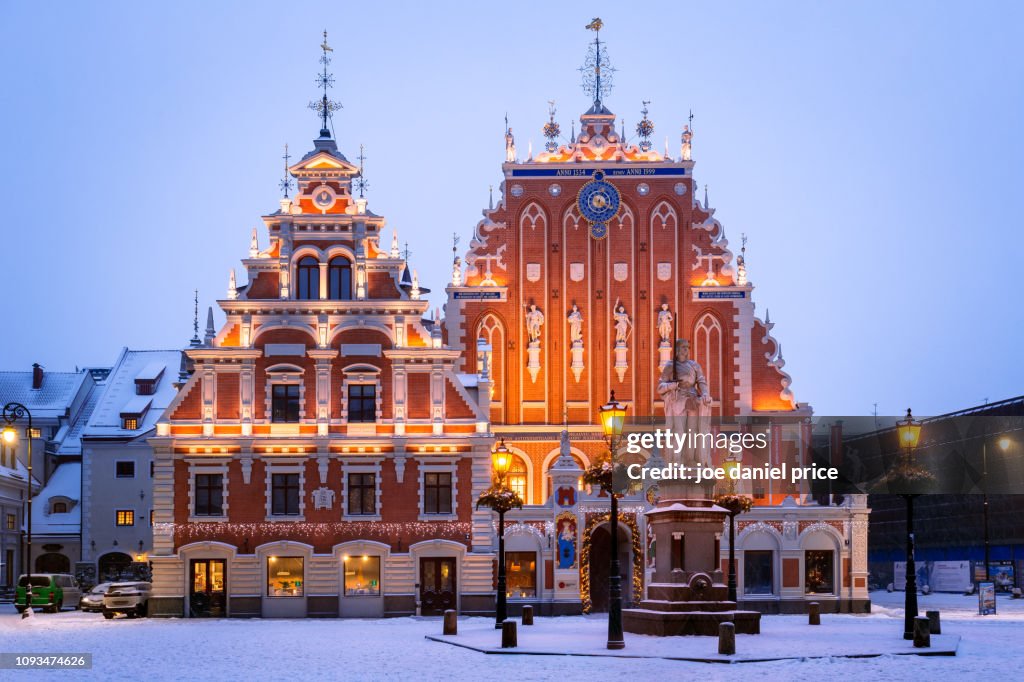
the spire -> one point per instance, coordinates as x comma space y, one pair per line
572, 138
706, 204
490, 197
254, 244
210, 330
232, 286
395, 253
195, 321
325, 107
360, 182
551, 129
597, 69
415, 293
286, 179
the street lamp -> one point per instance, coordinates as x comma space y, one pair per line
1004, 445
613, 415
501, 460
909, 433
11, 413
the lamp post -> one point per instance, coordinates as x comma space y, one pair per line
501, 460
11, 413
613, 415
1004, 445
909, 432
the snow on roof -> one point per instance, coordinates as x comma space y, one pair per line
66, 482
119, 394
70, 436
137, 405
51, 400
150, 372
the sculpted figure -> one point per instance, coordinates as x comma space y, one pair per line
665, 323
534, 321
622, 324
575, 320
687, 405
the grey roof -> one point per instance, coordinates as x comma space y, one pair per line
51, 400
70, 437
119, 393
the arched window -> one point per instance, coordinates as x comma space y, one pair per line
339, 279
60, 507
517, 477
308, 276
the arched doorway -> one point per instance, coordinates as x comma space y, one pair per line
52, 562
114, 566
600, 558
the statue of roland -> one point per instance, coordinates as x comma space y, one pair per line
687, 406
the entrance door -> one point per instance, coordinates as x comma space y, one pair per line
437, 585
600, 556
208, 598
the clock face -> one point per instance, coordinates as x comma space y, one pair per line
598, 201
598, 230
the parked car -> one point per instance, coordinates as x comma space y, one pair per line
51, 591
129, 598
92, 600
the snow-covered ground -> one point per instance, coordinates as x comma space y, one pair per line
158, 649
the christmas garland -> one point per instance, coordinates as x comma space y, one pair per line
638, 558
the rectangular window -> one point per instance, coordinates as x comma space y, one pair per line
285, 488
362, 402
521, 574
284, 576
819, 572
145, 387
437, 493
11, 521
35, 433
757, 571
285, 403
362, 494
125, 517
129, 423
209, 495
125, 469
362, 576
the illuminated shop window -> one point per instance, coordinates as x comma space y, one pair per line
517, 477
521, 574
819, 571
757, 571
284, 576
362, 576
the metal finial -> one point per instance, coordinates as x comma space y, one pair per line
691, 120
195, 317
325, 107
361, 183
490, 197
597, 69
406, 253
286, 181
706, 204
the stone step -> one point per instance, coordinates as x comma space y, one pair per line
673, 592
687, 606
675, 623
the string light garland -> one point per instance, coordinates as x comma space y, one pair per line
378, 530
638, 558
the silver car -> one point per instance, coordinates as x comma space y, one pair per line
129, 598
93, 599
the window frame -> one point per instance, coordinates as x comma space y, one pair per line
127, 462
307, 275
771, 572
287, 386
204, 485
128, 516
279, 467
344, 278
367, 492
367, 404
364, 557
273, 559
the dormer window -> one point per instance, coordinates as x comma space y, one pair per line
134, 412
148, 378
129, 422
307, 276
60, 508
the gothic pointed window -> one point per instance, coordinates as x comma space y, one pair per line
339, 279
307, 275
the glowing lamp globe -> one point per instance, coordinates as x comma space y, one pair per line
909, 431
10, 435
613, 416
1004, 443
501, 459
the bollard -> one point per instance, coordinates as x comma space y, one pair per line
451, 623
527, 615
814, 613
934, 626
508, 635
922, 637
727, 638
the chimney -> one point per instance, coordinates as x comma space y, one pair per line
37, 376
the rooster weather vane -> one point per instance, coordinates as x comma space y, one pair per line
597, 69
325, 107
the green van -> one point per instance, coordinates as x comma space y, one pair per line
50, 591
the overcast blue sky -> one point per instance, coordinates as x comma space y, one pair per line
871, 151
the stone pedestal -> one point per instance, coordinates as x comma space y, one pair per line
687, 595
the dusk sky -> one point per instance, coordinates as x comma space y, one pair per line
871, 152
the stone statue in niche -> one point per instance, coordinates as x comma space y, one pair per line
665, 320
623, 324
323, 498
534, 321
687, 406
510, 147
575, 320
686, 151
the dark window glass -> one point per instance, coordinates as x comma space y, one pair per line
362, 494
285, 403
60, 507
285, 494
145, 387
339, 279
125, 469
757, 571
819, 571
308, 276
209, 495
362, 402
437, 493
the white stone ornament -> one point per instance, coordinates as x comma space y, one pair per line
575, 320
576, 272
323, 498
680, 188
533, 272
620, 271
664, 271
555, 190
534, 321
